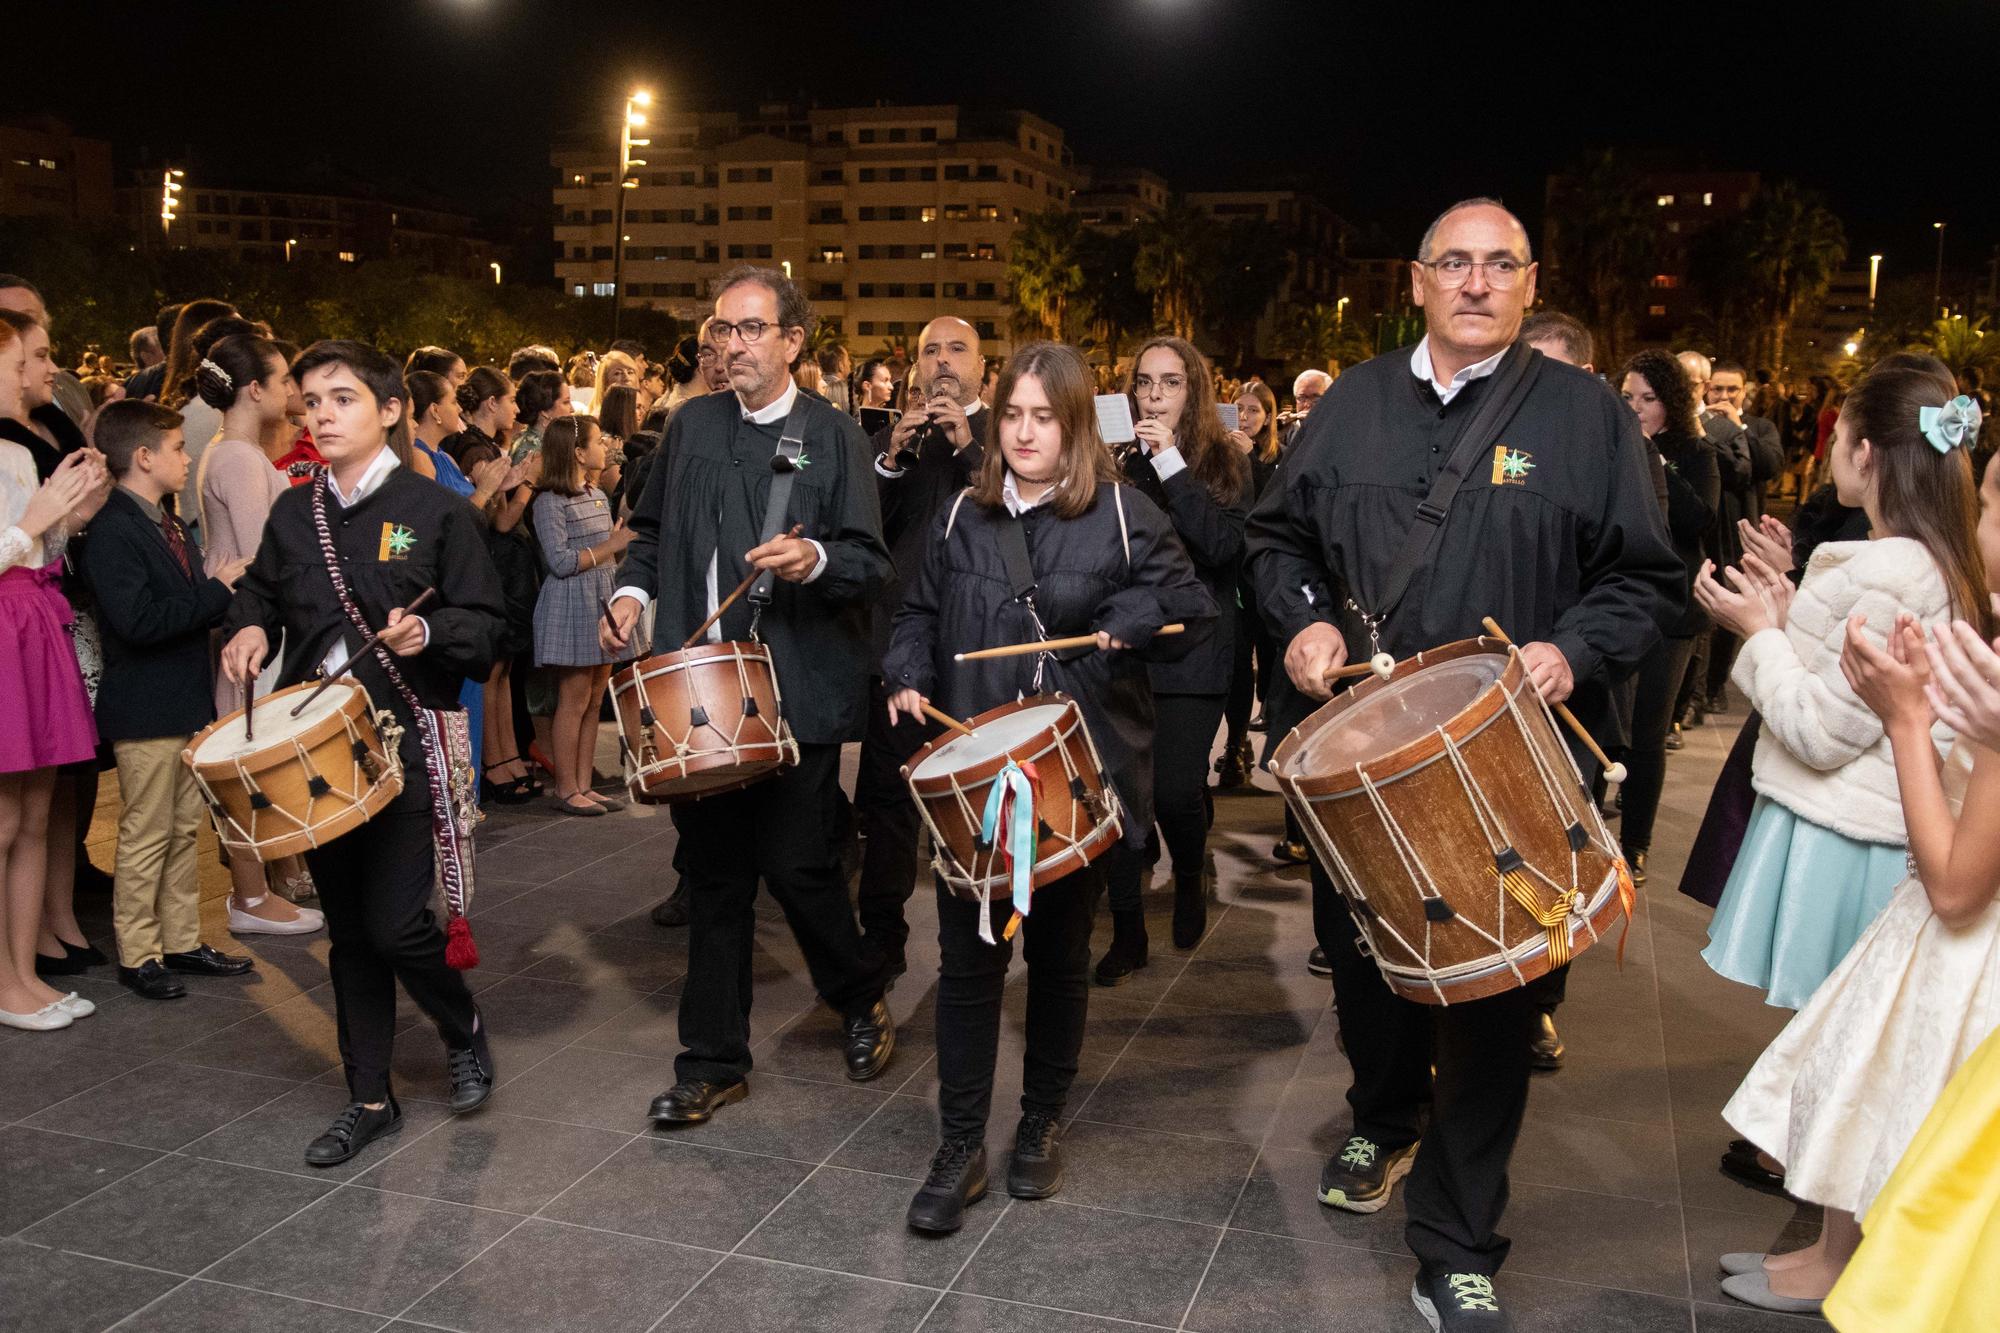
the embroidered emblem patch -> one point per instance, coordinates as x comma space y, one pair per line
397, 542
1511, 466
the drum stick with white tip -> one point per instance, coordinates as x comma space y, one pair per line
422, 599
1048, 645
730, 600
1612, 772
940, 716
1381, 665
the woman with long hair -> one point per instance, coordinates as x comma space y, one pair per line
1256, 438
580, 545
1108, 564
1183, 463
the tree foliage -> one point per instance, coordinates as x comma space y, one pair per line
1178, 251
1045, 272
1604, 239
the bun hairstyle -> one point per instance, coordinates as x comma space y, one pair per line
231, 366
538, 391
427, 389
482, 385
1921, 492
177, 380
685, 361
437, 360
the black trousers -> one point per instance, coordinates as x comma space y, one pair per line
1457, 1190
1183, 734
889, 823
375, 887
972, 975
780, 830
1660, 676
1248, 681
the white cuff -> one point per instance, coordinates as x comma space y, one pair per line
641, 598
819, 568
883, 470
427, 631
1168, 462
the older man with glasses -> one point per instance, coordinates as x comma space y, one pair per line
1356, 549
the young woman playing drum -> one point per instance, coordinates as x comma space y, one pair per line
1103, 560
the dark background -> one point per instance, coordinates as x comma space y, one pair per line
1388, 110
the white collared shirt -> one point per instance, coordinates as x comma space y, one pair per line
371, 481
1010, 495
1420, 365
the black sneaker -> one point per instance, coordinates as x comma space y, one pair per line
1317, 964
352, 1130
672, 911
1360, 1176
957, 1181
1035, 1171
471, 1072
1459, 1303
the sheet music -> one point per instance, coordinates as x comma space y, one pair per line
1114, 418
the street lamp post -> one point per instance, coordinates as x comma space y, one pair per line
635, 119
1874, 275
170, 186
495, 266
1340, 311
289, 243
1937, 283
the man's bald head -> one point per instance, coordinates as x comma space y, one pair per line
1427, 247
948, 349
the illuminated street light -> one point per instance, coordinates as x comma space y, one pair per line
1340, 311
170, 185
288, 248
1874, 273
635, 119
495, 266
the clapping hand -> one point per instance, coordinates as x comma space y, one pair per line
1739, 607
1769, 540
1891, 680
1964, 688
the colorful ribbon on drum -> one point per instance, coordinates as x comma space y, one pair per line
1010, 826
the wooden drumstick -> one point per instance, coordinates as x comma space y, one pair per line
422, 599
1048, 645
247, 692
1612, 772
940, 716
730, 600
1381, 665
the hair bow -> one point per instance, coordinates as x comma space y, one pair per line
1953, 426
228, 382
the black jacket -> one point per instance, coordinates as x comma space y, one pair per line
1694, 493
705, 498
1213, 536
154, 620
1565, 544
1736, 471
1087, 579
407, 535
911, 501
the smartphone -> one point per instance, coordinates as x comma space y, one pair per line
876, 419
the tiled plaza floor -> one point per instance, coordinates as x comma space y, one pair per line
151, 1178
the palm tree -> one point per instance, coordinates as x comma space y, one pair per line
1312, 336
1964, 344
1252, 264
1110, 289
1044, 271
1794, 247
1175, 261
1602, 241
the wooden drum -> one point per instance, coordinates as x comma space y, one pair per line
1076, 808
700, 721
303, 781
1452, 818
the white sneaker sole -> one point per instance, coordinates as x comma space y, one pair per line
308, 921
1426, 1308
1397, 1170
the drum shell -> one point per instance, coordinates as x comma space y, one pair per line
1079, 831
715, 678
359, 789
1433, 809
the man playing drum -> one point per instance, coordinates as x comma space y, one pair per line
1359, 550
705, 521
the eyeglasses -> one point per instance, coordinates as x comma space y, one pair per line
1169, 383
1500, 273
707, 355
752, 330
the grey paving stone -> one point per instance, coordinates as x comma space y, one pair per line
41, 1172
1091, 1261
47, 1291
757, 1296
212, 1307
495, 1160
668, 1189
162, 1105
854, 1222
550, 1278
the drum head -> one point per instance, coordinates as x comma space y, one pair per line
1400, 712
274, 722
992, 740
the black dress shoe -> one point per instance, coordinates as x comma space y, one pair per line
870, 1040
152, 981
673, 910
1317, 964
1035, 1171
1190, 910
86, 955
1637, 862
65, 966
1290, 853
1127, 953
352, 1130
1546, 1051
1740, 1162
691, 1101
472, 1073
208, 961
957, 1180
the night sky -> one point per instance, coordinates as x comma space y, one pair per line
1388, 110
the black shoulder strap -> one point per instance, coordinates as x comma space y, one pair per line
1014, 554
785, 465
1501, 398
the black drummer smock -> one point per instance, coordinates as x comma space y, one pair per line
406, 535
1212, 533
1089, 577
1559, 539
705, 498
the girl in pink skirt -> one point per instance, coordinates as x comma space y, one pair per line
45, 717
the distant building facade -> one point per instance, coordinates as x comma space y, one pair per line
47, 171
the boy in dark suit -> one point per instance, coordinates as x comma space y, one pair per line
155, 609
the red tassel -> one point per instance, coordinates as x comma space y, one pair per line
459, 950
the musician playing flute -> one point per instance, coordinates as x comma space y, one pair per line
704, 522
340, 560
1554, 532
1046, 543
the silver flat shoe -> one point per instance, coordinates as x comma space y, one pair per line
1743, 1261
1755, 1289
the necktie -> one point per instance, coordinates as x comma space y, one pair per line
170, 528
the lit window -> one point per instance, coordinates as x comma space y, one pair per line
577, 290
347, 256
1707, 198
928, 215
602, 288
1664, 200
1656, 310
